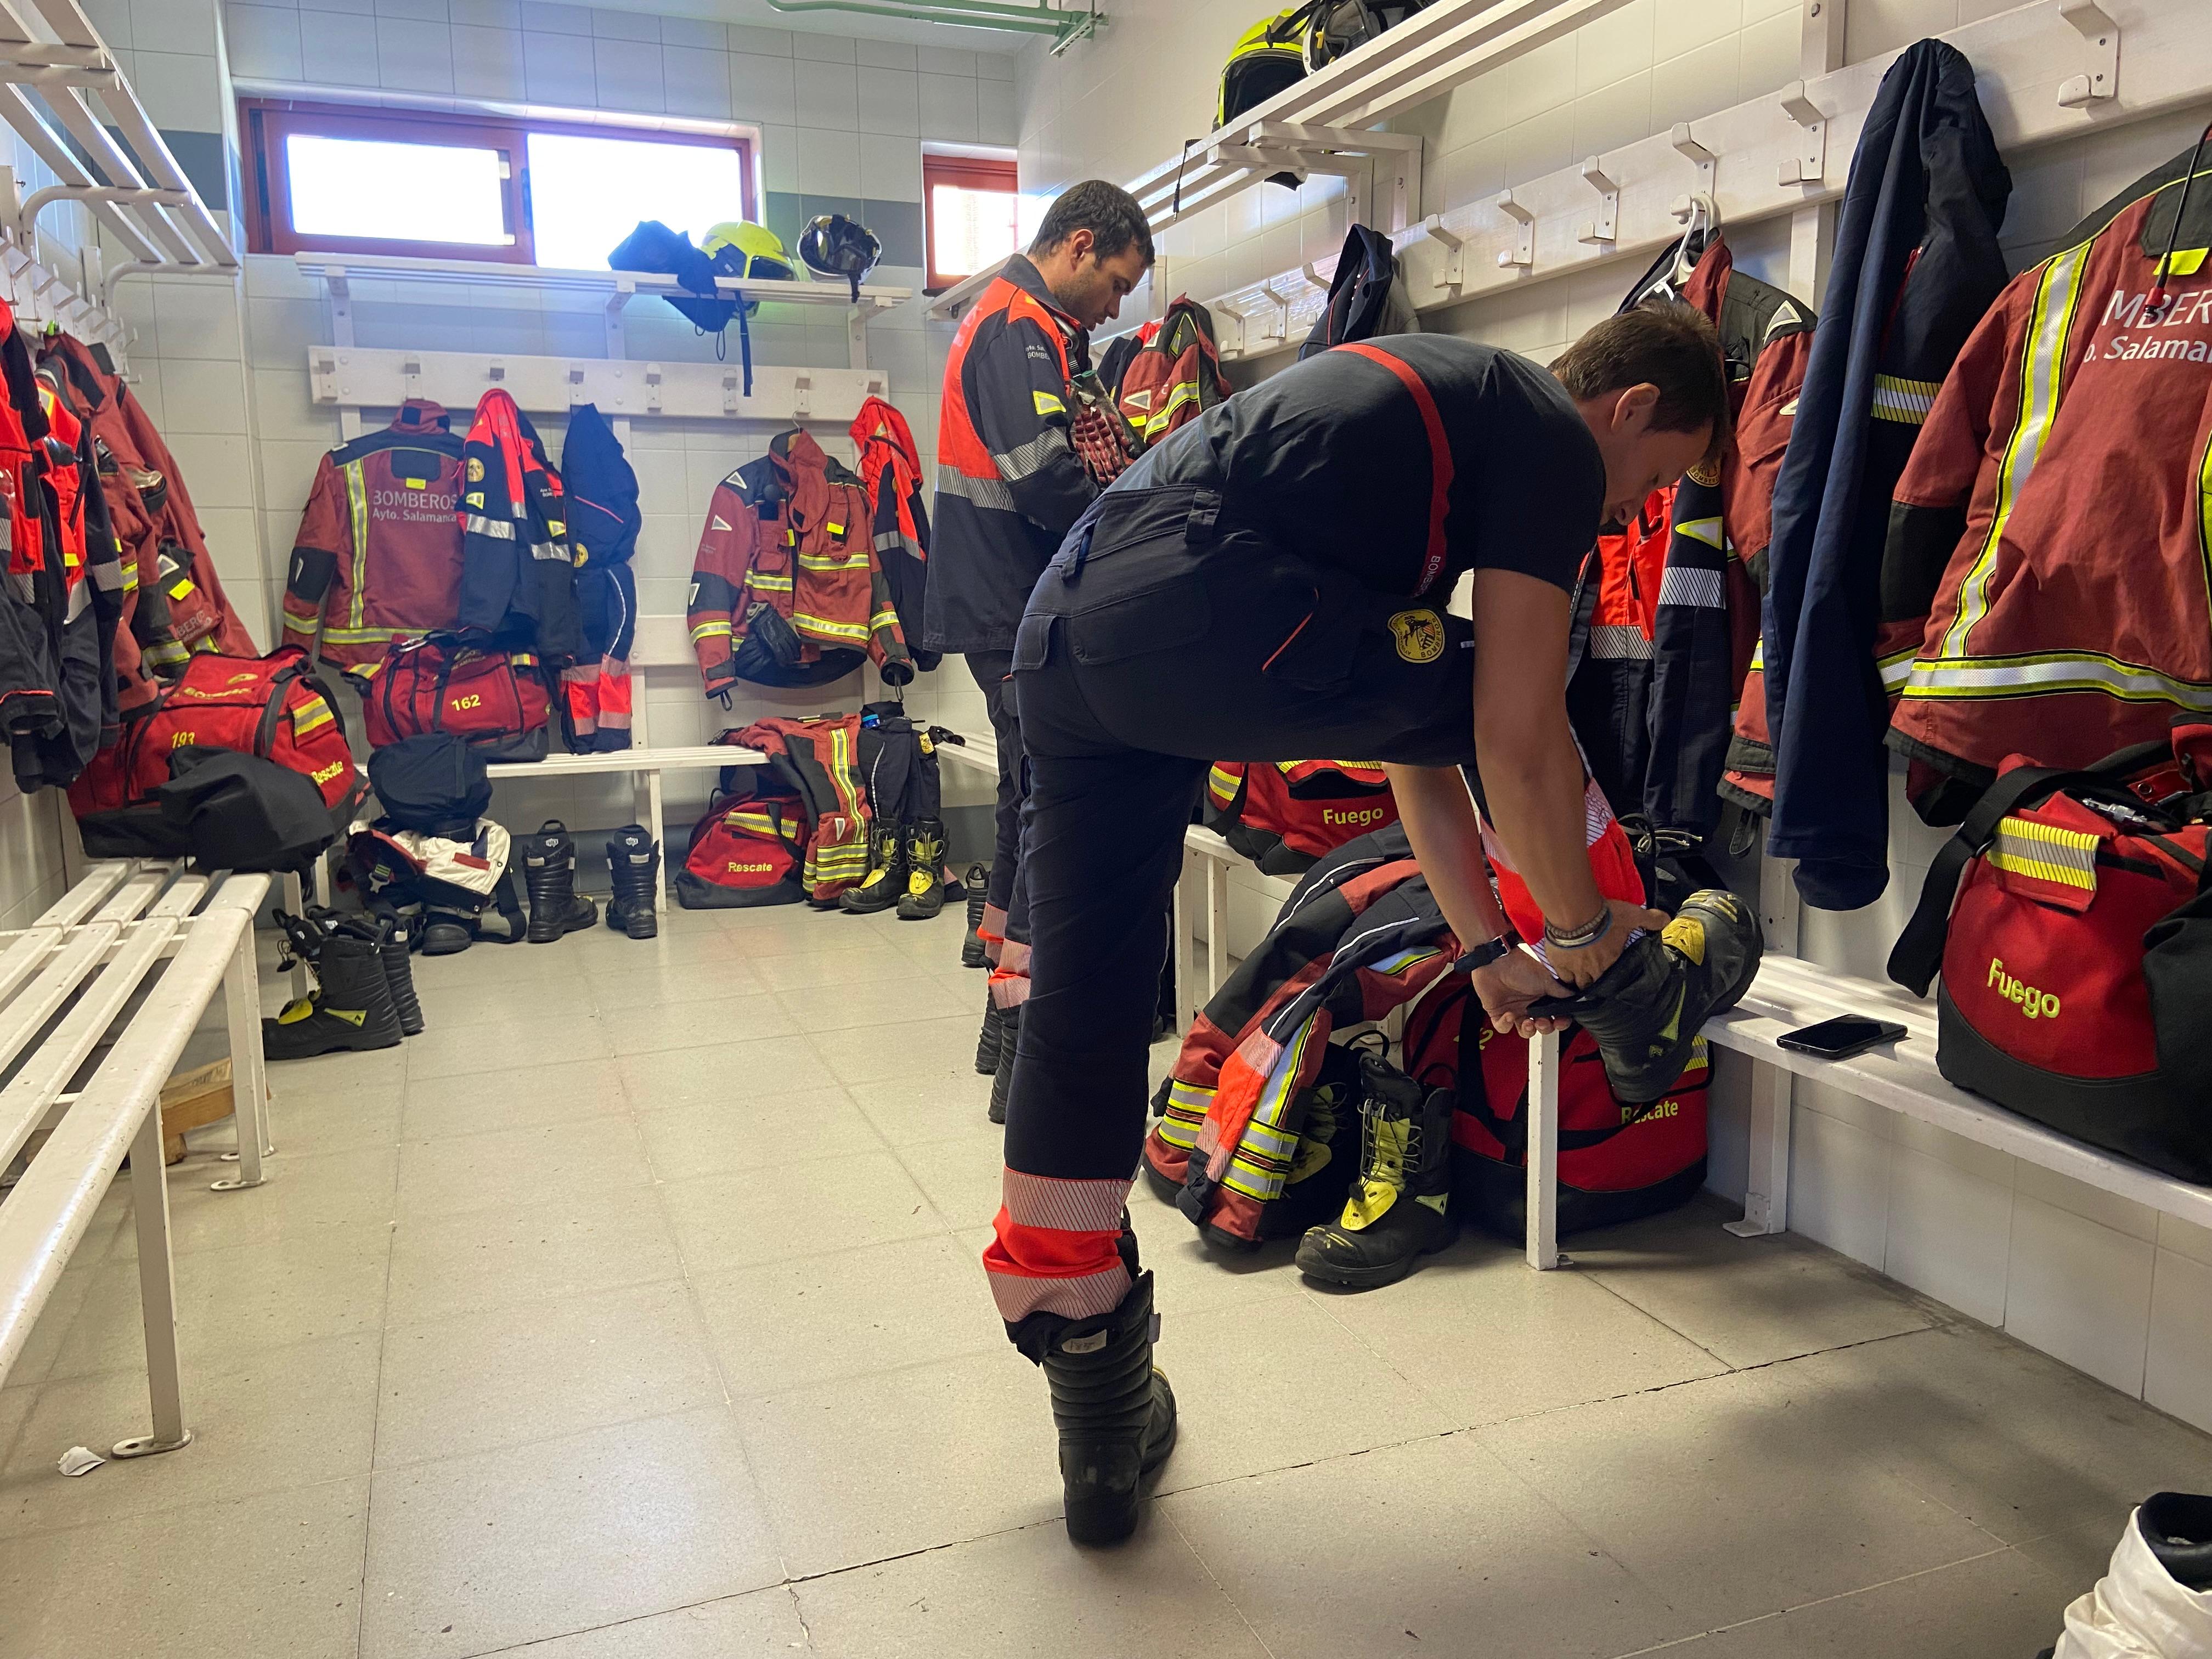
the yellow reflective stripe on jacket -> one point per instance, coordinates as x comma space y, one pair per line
1183, 392
2044, 354
2034, 674
357, 504
1897, 667
2047, 851
1707, 530
1896, 399
768, 584
861, 560
1048, 404
857, 632
710, 630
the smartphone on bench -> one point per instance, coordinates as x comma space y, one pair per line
1841, 1038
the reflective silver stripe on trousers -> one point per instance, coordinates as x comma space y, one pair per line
982, 492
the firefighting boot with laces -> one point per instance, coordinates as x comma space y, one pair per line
1116, 1413
1002, 1074
884, 884
350, 1007
994, 1037
925, 864
634, 865
1397, 1210
392, 949
1646, 1010
548, 873
978, 889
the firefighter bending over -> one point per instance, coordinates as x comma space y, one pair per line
1267, 584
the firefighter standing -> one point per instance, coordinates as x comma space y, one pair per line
1269, 583
1009, 485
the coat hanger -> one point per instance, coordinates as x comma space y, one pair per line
1702, 227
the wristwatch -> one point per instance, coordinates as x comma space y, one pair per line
1481, 955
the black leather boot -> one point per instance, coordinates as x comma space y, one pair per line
633, 864
924, 896
549, 874
987, 1045
1645, 1011
1002, 1075
1116, 1413
350, 1007
884, 884
399, 972
978, 886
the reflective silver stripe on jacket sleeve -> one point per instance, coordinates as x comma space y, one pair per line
476, 525
1033, 456
1706, 590
983, 492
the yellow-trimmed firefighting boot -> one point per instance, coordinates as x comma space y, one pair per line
886, 880
925, 871
1398, 1210
350, 1007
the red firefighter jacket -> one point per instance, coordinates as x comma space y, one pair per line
1667, 610
787, 589
172, 599
2065, 481
378, 556
823, 755
890, 471
1173, 374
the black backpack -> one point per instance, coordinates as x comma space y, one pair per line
433, 782
235, 812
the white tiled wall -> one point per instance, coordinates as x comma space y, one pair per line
2100, 1284
839, 119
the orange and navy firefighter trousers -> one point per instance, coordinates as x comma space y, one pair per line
1184, 638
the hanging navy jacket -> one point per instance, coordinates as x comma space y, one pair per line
1916, 264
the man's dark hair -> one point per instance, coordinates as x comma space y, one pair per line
1108, 212
1663, 343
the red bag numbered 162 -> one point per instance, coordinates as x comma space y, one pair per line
273, 707
496, 701
2077, 955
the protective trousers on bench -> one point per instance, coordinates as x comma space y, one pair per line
1163, 636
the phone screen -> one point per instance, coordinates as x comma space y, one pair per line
1847, 1034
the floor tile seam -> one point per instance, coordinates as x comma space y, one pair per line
755, 1396
705, 1271
376, 1418
377, 1470
1816, 1602
1685, 1382
206, 1501
599, 1183
1219, 1589
1371, 1350
510, 1128
897, 1157
480, 1313
1165, 1490
795, 1580
253, 1354
1628, 1302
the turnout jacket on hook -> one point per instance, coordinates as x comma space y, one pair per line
787, 589
1916, 264
2055, 526
517, 575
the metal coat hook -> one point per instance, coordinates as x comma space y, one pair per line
1605, 229
1278, 327
1522, 253
1811, 162
2102, 79
1451, 269
1703, 159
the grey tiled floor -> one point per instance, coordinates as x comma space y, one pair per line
632, 1312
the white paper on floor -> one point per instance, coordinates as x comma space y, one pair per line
79, 1460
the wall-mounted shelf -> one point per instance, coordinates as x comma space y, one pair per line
338, 271
87, 124
1762, 158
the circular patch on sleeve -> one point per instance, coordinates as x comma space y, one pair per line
1419, 635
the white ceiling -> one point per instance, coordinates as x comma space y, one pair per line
851, 25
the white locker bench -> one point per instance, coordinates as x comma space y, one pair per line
127, 926
662, 642
1790, 992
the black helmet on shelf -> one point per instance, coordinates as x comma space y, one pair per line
833, 244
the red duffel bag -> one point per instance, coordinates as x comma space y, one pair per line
2072, 919
273, 707
496, 701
